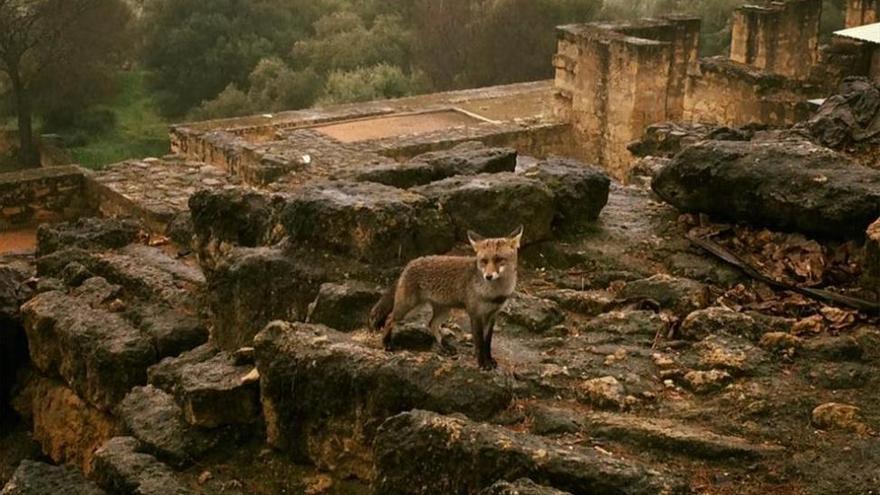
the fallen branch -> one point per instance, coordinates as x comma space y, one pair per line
817, 294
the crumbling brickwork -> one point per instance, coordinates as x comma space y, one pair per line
615, 79
781, 37
861, 12
612, 80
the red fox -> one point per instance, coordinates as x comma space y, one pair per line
479, 284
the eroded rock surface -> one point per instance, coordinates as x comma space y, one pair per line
788, 185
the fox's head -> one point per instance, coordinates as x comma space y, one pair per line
496, 257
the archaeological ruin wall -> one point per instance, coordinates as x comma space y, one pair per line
861, 12
780, 37
614, 79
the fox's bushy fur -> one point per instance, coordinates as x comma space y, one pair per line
478, 284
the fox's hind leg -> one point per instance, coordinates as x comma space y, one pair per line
439, 314
402, 306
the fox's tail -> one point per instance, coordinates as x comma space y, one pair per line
381, 310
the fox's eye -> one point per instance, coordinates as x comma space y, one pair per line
484, 262
498, 261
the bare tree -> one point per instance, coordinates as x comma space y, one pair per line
33, 35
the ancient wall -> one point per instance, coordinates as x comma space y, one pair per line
731, 94
861, 12
613, 80
39, 195
779, 37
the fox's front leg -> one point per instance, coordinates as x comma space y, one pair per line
479, 347
489, 328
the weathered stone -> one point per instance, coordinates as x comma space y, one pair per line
254, 286
222, 219
702, 382
552, 421
778, 341
871, 265
181, 230
790, 185
849, 116
522, 486
717, 319
143, 271
14, 291
494, 204
674, 436
75, 273
681, 295
868, 338
579, 191
152, 416
120, 467
464, 159
733, 354
833, 348
97, 353
412, 336
838, 376
37, 478
836, 416
96, 234
67, 428
421, 452
371, 222
530, 314
343, 306
604, 392
208, 385
585, 302
642, 325
172, 331
343, 390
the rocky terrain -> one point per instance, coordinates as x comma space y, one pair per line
236, 359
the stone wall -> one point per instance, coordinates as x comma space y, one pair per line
728, 93
34, 196
861, 12
782, 37
613, 80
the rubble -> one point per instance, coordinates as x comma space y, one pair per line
120, 467
97, 353
494, 205
522, 486
68, 429
424, 452
367, 221
852, 116
787, 185
153, 417
579, 191
833, 415
210, 387
343, 390
470, 158
37, 478
344, 307
530, 314
88, 233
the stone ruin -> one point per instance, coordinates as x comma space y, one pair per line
196, 323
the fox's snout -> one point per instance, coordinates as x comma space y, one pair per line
492, 273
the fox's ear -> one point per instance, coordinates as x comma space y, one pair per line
474, 237
516, 236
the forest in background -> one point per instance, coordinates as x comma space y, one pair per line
109, 84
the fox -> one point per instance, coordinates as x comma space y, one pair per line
479, 284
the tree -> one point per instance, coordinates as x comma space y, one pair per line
194, 49
368, 83
37, 38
